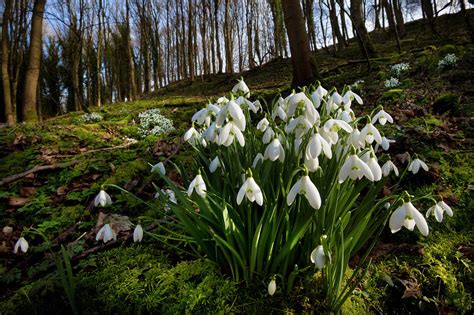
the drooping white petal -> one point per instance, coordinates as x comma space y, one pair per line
318, 257
419, 219
259, 157
215, 163
263, 124
397, 219
311, 192
388, 167
138, 233
272, 287
375, 169
197, 185
241, 193
446, 208
160, 167
293, 192
22, 244
102, 199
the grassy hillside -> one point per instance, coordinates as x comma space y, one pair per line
432, 108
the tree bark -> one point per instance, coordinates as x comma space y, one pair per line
229, 60
131, 66
365, 43
304, 70
7, 99
397, 10
29, 111
335, 25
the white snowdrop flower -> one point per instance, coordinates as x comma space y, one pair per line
302, 102
322, 92
171, 195
355, 139
272, 286
306, 187
438, 210
316, 145
355, 168
222, 100
259, 157
231, 111
385, 144
198, 185
334, 125
311, 163
215, 163
241, 87
347, 116
263, 124
102, 199
274, 151
106, 233
210, 133
251, 190
408, 216
243, 102
382, 117
258, 106
279, 111
21, 244
317, 99
369, 133
375, 167
318, 257
349, 96
415, 165
228, 133
388, 167
268, 135
299, 125
192, 136
160, 167
200, 116
298, 142
138, 233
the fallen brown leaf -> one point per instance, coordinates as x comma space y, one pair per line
15, 201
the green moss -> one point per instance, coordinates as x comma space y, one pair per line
447, 49
446, 103
392, 95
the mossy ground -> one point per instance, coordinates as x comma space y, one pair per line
423, 275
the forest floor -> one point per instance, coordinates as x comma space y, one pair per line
433, 111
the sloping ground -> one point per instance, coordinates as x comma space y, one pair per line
433, 114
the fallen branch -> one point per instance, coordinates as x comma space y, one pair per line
36, 169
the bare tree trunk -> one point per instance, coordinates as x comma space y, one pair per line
100, 12
229, 60
218, 45
467, 21
249, 17
397, 10
29, 111
304, 69
7, 99
191, 17
335, 25
133, 83
391, 21
365, 43
377, 15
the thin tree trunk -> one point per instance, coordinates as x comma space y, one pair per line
29, 111
304, 69
335, 25
397, 10
7, 99
365, 43
132, 81
229, 60
218, 45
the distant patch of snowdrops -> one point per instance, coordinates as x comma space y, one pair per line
91, 117
300, 184
449, 61
152, 122
400, 68
392, 83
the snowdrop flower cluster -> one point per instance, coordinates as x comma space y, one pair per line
449, 61
267, 178
392, 83
400, 68
92, 117
152, 122
357, 84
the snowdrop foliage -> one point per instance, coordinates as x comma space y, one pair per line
271, 183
